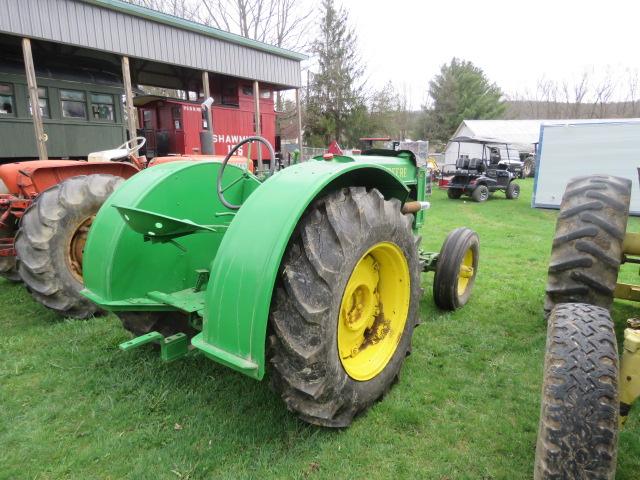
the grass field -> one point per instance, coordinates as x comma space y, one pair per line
73, 406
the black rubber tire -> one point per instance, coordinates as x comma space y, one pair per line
44, 235
166, 323
578, 431
513, 191
454, 193
480, 193
329, 240
529, 167
445, 280
9, 269
587, 247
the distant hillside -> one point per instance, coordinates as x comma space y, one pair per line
531, 109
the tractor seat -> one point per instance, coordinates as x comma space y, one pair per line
109, 155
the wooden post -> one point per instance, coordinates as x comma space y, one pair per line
128, 92
299, 118
207, 93
30, 70
258, 129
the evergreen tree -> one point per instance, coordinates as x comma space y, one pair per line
335, 95
460, 91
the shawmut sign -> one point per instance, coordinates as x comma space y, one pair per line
222, 138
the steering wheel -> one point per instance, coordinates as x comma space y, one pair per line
272, 167
133, 145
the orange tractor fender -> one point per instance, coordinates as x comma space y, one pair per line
27, 179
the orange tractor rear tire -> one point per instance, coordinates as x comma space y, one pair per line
50, 242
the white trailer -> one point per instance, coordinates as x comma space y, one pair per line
570, 150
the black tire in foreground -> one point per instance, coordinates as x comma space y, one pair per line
331, 239
513, 191
166, 323
587, 247
578, 431
454, 193
480, 193
51, 239
456, 269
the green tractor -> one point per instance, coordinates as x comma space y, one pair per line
313, 271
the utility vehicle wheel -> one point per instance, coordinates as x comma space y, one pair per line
480, 193
345, 307
456, 269
9, 269
454, 193
513, 191
587, 247
166, 323
529, 167
578, 430
51, 239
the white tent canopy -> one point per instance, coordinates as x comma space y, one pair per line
520, 134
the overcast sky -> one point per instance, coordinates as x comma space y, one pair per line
515, 42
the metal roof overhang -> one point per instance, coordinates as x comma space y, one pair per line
120, 28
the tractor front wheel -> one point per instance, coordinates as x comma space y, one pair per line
345, 307
578, 431
51, 238
456, 269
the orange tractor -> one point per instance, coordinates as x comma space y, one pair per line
46, 209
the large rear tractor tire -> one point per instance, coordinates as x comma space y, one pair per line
345, 306
578, 432
51, 238
456, 269
587, 247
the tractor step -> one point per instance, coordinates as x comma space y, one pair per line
171, 348
188, 300
161, 228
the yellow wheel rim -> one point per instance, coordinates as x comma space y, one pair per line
466, 272
373, 311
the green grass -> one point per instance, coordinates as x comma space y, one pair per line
73, 406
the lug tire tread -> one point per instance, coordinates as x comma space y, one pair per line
578, 428
305, 369
40, 242
587, 246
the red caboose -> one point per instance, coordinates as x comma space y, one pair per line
174, 126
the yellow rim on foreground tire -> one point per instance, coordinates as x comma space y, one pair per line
374, 310
466, 272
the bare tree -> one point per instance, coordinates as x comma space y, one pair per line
283, 23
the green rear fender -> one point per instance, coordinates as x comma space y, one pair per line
244, 271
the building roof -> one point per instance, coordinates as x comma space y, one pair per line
120, 28
154, 15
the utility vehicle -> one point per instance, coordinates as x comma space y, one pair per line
479, 177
